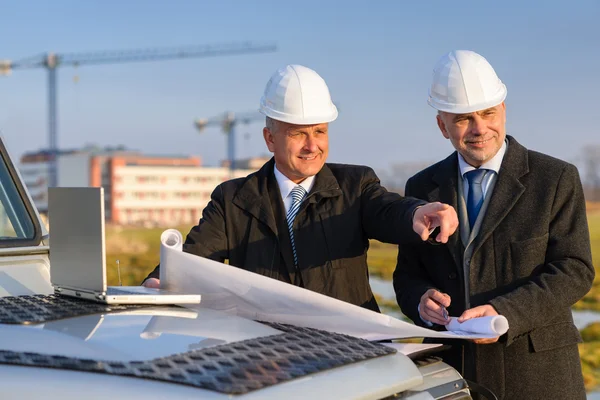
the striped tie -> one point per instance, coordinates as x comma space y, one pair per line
298, 193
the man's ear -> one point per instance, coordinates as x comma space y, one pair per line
269, 139
442, 126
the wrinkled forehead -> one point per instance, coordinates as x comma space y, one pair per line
485, 111
287, 127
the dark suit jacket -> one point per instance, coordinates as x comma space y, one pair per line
531, 262
245, 223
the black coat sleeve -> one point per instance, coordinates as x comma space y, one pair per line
387, 216
410, 279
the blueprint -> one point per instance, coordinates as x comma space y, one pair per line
246, 294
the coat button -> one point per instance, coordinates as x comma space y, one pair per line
452, 275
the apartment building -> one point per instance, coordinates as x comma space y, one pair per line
138, 189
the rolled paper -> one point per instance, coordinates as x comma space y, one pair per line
490, 325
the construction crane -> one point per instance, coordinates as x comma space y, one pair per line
52, 61
228, 123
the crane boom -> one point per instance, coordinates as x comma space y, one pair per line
51, 61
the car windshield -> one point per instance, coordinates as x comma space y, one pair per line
17, 226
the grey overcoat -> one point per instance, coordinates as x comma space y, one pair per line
531, 260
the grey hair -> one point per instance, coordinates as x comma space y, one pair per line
271, 124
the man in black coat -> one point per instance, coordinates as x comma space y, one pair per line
522, 249
300, 220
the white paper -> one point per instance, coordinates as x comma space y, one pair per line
493, 325
250, 295
169, 239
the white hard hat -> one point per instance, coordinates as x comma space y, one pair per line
464, 82
298, 95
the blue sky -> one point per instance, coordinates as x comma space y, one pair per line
376, 56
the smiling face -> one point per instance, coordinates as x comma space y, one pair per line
477, 136
300, 151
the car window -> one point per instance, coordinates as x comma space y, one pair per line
17, 224
7, 230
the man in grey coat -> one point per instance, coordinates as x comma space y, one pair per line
300, 220
522, 249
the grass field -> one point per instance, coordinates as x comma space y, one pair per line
137, 249
592, 300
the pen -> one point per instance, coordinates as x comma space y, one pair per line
433, 232
444, 313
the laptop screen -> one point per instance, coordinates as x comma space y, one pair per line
77, 242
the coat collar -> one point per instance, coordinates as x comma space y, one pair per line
507, 191
253, 195
326, 185
259, 191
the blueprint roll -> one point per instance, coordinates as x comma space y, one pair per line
239, 292
492, 325
170, 240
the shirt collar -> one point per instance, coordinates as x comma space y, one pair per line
493, 164
286, 185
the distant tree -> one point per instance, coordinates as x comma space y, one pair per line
395, 177
591, 172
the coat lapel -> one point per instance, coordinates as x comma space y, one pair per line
506, 192
446, 179
326, 185
260, 196
253, 196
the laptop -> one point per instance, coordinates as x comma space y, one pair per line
78, 252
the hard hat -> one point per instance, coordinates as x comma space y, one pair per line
298, 95
464, 82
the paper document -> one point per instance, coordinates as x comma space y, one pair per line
493, 325
246, 294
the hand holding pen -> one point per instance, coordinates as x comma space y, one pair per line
433, 307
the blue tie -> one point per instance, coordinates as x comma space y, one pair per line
475, 195
298, 193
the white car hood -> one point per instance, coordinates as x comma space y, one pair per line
136, 335
156, 332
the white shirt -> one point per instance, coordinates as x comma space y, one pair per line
493, 165
286, 186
